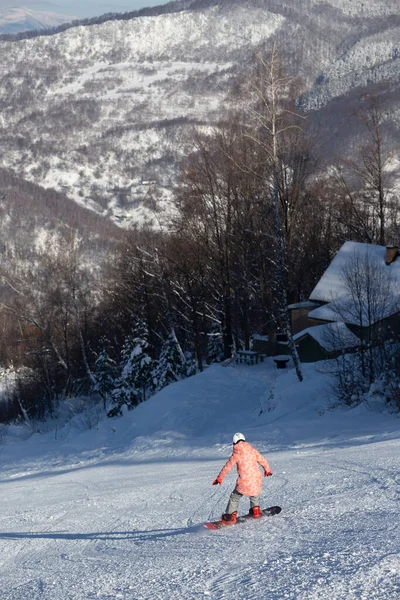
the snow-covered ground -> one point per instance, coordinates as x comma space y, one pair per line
114, 511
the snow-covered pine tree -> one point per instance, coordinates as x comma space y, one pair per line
191, 365
140, 363
171, 365
136, 366
104, 376
215, 346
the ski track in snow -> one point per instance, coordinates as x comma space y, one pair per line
110, 515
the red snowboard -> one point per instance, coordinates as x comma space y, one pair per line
266, 512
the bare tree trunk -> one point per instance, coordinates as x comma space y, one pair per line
283, 286
280, 242
23, 410
227, 327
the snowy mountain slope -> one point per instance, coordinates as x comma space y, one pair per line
35, 222
14, 20
370, 61
119, 96
29, 212
113, 512
105, 112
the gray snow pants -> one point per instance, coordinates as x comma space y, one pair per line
235, 498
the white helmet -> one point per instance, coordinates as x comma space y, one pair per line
238, 437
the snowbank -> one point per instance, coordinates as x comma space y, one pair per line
115, 511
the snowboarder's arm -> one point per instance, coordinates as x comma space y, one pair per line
227, 467
264, 463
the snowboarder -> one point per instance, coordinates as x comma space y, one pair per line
249, 481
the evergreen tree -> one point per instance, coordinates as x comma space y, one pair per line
171, 365
191, 365
215, 347
136, 370
104, 376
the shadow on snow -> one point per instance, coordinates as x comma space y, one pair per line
137, 536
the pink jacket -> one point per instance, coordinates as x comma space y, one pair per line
246, 458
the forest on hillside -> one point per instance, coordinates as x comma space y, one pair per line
258, 217
104, 113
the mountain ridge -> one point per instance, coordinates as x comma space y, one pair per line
15, 20
97, 20
104, 112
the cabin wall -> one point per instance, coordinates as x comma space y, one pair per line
310, 351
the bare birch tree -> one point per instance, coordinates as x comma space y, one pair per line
364, 180
277, 129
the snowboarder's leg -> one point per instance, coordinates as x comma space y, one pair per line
232, 508
255, 510
233, 503
254, 500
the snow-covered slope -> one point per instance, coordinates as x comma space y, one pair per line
108, 104
34, 220
17, 19
105, 112
114, 511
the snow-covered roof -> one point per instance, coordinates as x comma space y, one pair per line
304, 304
331, 336
379, 294
326, 312
330, 286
